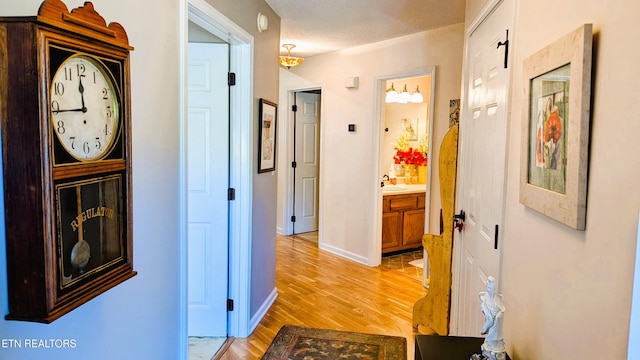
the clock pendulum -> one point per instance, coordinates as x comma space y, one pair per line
81, 251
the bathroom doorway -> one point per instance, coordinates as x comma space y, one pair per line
405, 140
406, 126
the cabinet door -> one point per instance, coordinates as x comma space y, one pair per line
391, 230
403, 202
413, 227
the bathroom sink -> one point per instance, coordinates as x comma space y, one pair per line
394, 187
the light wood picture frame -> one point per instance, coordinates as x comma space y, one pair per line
268, 117
555, 128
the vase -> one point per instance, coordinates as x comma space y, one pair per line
411, 174
422, 174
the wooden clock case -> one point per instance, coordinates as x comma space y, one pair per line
40, 180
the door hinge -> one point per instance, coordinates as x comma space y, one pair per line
294, 164
229, 304
495, 239
231, 79
294, 108
293, 218
231, 194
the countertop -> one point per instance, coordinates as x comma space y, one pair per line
403, 189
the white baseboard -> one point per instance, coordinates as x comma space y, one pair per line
266, 305
345, 254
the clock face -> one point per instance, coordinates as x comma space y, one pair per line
85, 108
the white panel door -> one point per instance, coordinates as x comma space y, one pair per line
208, 181
481, 181
306, 158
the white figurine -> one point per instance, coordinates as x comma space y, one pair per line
493, 309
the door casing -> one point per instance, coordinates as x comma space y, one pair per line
286, 122
374, 256
302, 169
241, 171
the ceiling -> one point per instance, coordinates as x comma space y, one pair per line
322, 26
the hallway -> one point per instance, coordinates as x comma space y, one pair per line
322, 290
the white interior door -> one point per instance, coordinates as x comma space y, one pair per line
307, 155
208, 182
481, 174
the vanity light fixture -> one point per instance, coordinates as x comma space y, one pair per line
289, 61
404, 97
417, 96
392, 95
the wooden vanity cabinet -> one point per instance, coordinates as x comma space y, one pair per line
402, 221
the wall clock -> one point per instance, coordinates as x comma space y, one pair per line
66, 145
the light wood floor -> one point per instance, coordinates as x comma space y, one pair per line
321, 290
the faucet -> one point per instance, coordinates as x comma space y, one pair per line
385, 177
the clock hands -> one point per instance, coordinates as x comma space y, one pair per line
83, 108
81, 89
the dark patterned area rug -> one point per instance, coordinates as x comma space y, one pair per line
299, 343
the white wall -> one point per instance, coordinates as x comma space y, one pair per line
349, 183
567, 292
138, 319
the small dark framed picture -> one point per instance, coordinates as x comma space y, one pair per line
268, 116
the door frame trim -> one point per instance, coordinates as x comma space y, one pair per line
375, 251
287, 129
241, 45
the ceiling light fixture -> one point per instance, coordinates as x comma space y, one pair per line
289, 61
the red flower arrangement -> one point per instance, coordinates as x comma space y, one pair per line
410, 157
